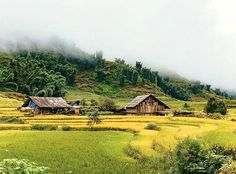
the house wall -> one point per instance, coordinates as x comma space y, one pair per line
148, 106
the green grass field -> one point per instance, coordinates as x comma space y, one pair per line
78, 151
103, 151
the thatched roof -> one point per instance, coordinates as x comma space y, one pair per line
137, 100
48, 102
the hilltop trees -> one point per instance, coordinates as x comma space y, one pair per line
47, 73
35, 75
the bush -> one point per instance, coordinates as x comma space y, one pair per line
228, 168
66, 128
214, 106
152, 126
107, 104
132, 152
229, 151
192, 158
15, 166
44, 127
13, 120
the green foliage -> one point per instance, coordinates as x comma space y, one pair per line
138, 66
37, 74
152, 126
93, 118
107, 104
214, 106
132, 152
48, 127
93, 102
196, 88
100, 75
15, 166
12, 120
134, 78
47, 72
192, 158
228, 168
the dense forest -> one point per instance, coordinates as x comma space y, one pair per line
49, 72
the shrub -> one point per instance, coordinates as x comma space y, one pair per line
15, 166
214, 106
66, 128
132, 152
152, 126
13, 120
228, 168
44, 127
192, 158
93, 102
107, 104
229, 151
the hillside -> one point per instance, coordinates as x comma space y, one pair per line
48, 72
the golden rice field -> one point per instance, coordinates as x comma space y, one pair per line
172, 128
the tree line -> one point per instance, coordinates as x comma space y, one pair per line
47, 73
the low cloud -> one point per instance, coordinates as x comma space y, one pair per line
192, 38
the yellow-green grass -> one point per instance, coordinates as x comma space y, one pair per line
74, 94
9, 103
172, 128
82, 152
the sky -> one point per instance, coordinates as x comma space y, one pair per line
195, 38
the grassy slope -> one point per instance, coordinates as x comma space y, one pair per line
79, 152
74, 93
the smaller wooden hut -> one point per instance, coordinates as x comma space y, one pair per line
46, 105
146, 104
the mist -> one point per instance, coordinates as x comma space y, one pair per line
196, 39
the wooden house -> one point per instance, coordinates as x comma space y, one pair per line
46, 105
146, 104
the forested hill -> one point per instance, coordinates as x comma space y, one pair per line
45, 72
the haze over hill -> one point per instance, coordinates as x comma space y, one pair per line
196, 39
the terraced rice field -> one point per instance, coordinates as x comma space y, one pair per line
82, 143
172, 128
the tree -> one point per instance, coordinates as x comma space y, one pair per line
120, 61
138, 66
93, 102
214, 106
221, 108
121, 77
107, 104
134, 78
100, 75
93, 118
208, 87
